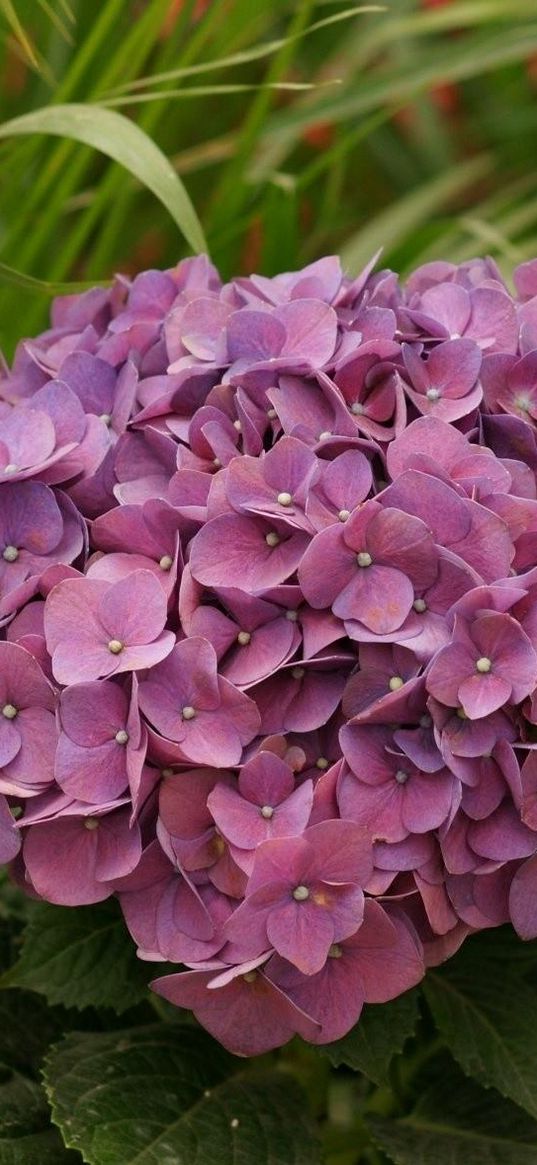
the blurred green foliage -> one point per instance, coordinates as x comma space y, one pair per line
299, 128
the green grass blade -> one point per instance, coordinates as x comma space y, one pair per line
16, 278
195, 91
34, 58
473, 57
124, 142
256, 53
57, 21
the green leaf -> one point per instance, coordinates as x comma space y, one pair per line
457, 1123
80, 958
124, 142
18, 279
34, 58
44, 1148
27, 1028
488, 1018
163, 1095
256, 53
26, 1138
381, 1032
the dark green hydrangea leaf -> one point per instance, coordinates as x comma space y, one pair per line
380, 1033
459, 1123
26, 1135
44, 1148
27, 1028
80, 958
488, 1018
169, 1095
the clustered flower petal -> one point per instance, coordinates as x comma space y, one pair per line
268, 631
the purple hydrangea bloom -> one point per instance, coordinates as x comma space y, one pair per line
268, 657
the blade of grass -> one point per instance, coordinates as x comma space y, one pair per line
258, 52
476, 56
120, 139
29, 283
33, 57
213, 91
228, 197
57, 21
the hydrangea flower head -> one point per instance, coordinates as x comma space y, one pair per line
268, 643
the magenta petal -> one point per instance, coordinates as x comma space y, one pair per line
10, 841
248, 1017
302, 934
134, 609
523, 900
60, 857
481, 695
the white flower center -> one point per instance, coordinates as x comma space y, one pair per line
166, 562
322, 762
433, 394
364, 559
272, 538
395, 683
298, 673
10, 554
237, 425
401, 777
9, 711
188, 712
11, 468
106, 418
357, 409
115, 646
292, 616
267, 812
335, 951
301, 893
343, 515
325, 435
271, 414
244, 638
121, 736
91, 823
484, 664
419, 605
250, 976
285, 499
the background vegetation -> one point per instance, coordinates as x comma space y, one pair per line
298, 127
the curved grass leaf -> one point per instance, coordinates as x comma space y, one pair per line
196, 91
166, 1095
124, 142
256, 53
19, 279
